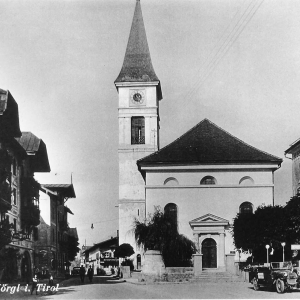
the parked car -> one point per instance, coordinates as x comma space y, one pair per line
75, 271
278, 275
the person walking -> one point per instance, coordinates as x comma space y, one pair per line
90, 273
82, 273
34, 284
51, 281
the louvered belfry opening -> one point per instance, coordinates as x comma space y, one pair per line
137, 130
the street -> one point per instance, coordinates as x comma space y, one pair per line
108, 288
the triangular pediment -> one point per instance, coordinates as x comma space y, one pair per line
209, 219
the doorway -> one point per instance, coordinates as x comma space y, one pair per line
138, 262
26, 267
209, 251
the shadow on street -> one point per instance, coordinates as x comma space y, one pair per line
75, 281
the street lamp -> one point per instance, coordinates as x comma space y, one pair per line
267, 247
283, 244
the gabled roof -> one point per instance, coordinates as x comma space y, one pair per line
293, 147
206, 143
37, 151
137, 65
113, 242
65, 190
9, 115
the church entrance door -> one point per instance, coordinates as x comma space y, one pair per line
209, 251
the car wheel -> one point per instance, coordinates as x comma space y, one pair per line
255, 284
279, 286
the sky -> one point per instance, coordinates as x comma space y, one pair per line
235, 62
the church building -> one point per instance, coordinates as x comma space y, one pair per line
205, 177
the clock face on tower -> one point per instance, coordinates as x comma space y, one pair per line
137, 96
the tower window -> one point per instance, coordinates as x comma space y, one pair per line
137, 130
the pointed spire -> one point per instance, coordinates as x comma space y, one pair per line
137, 65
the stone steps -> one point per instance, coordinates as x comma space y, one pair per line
217, 276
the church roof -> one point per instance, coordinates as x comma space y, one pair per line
206, 143
137, 65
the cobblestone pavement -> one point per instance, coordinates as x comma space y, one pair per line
109, 288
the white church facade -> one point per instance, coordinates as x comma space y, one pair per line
206, 176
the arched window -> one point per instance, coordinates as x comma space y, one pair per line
208, 180
170, 210
137, 130
171, 181
246, 208
247, 180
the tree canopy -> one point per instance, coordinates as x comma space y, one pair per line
269, 225
159, 232
124, 250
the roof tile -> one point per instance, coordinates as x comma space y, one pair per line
206, 143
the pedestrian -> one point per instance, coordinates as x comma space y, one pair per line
51, 281
34, 284
90, 273
36, 272
82, 273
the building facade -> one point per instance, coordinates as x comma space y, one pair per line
205, 177
52, 246
294, 151
22, 154
101, 255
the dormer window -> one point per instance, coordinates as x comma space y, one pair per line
137, 130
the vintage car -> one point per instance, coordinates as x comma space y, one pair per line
75, 271
278, 275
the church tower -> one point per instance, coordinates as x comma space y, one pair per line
139, 95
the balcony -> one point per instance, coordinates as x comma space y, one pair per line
137, 140
30, 188
63, 225
5, 196
30, 215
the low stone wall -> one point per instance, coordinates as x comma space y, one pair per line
173, 274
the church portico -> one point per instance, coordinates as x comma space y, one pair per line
209, 235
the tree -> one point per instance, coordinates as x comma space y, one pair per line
159, 232
72, 247
123, 251
269, 225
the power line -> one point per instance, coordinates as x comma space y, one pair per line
226, 44
230, 43
202, 65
